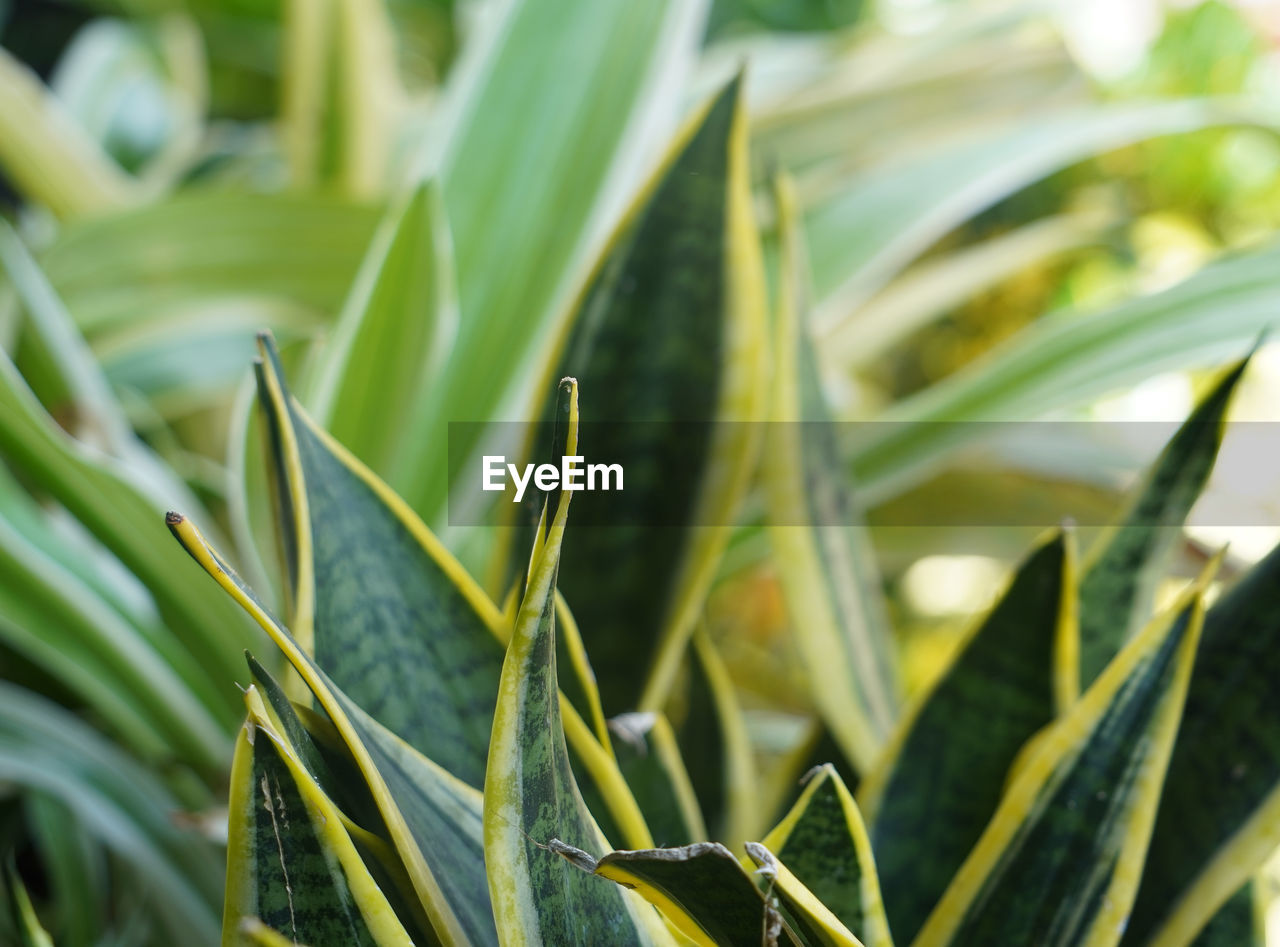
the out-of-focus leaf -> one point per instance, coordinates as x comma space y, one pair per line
931, 289
824, 557
567, 95
824, 845
716, 747
1119, 574
340, 93
1221, 804
700, 888
650, 761
45, 749
391, 336
385, 609
290, 861
1059, 862
75, 870
51, 159
1066, 359
530, 795
861, 237
124, 516
666, 339
811, 922
946, 771
30, 931
1240, 922
433, 818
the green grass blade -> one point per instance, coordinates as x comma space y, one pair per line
650, 762
391, 336
291, 863
669, 329
30, 931
928, 807
822, 551
1060, 860
1068, 358
825, 846
530, 794
550, 120
1207, 844
386, 610
433, 818
1119, 574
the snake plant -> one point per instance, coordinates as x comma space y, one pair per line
441, 763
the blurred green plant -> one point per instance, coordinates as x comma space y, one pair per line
419, 205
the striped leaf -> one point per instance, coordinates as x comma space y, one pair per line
810, 921
946, 771
391, 335
821, 548
666, 338
1221, 804
291, 863
433, 819
824, 845
701, 889
1060, 860
650, 761
1119, 574
383, 607
530, 795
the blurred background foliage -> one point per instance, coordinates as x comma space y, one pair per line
180, 173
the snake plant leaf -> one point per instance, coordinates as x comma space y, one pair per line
433, 818
667, 337
810, 921
824, 845
1240, 922
702, 889
1119, 574
391, 335
30, 931
649, 758
290, 862
946, 771
1060, 861
75, 869
205, 635
822, 551
716, 747
1207, 844
577, 678
385, 609
559, 106
530, 795
258, 934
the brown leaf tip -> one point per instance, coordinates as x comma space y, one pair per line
174, 519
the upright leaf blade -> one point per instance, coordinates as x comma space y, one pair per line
650, 761
1221, 802
946, 771
667, 339
291, 863
824, 844
1060, 860
386, 610
391, 336
530, 795
1119, 574
823, 555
